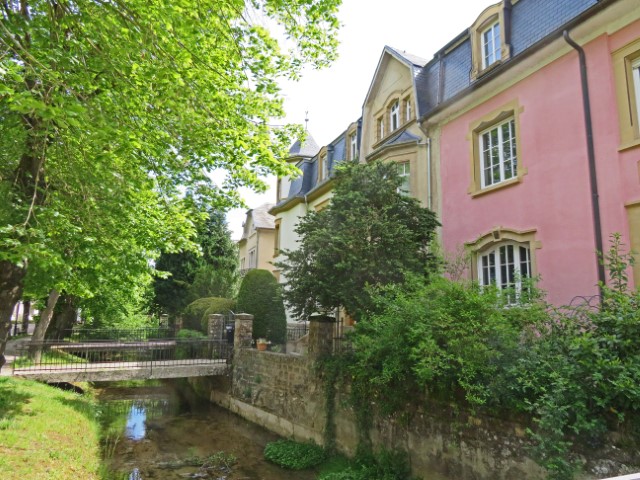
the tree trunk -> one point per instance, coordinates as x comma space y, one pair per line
11, 277
25, 316
43, 324
63, 320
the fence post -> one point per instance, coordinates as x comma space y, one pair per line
321, 328
178, 324
215, 329
244, 331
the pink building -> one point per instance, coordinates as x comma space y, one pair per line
511, 146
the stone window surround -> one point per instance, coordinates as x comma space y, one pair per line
511, 109
383, 116
626, 62
489, 17
497, 237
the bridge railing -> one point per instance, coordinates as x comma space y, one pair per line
108, 334
104, 354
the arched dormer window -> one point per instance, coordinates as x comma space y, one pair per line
490, 41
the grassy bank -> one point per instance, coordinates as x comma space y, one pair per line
47, 433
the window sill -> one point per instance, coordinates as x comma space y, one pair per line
474, 192
628, 145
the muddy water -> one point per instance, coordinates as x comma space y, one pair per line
153, 431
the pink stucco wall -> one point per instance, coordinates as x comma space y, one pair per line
554, 197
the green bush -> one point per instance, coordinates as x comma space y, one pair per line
196, 314
186, 333
261, 296
385, 465
294, 455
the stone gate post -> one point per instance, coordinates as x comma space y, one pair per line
244, 331
215, 329
321, 333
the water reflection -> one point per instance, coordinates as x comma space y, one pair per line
136, 423
153, 431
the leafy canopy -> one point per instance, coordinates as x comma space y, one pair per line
113, 115
370, 235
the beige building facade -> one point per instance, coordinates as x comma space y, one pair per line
256, 247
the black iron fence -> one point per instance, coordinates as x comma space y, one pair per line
115, 354
297, 331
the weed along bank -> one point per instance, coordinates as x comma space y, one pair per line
299, 397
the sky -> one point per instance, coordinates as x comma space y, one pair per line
334, 96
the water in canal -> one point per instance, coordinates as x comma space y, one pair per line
154, 432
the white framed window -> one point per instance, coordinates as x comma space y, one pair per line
506, 266
394, 116
635, 72
491, 48
404, 172
380, 128
353, 142
407, 109
324, 166
252, 258
498, 153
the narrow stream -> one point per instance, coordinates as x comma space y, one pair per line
156, 433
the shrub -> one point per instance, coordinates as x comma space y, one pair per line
294, 455
260, 295
196, 315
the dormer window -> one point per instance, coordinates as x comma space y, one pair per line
353, 146
407, 109
324, 168
491, 45
394, 116
490, 42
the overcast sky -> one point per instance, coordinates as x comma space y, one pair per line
334, 96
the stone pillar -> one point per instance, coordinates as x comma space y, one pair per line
164, 320
178, 324
321, 332
215, 330
244, 331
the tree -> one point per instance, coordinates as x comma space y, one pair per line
112, 115
261, 296
211, 272
370, 235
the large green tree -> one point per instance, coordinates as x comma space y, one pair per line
212, 272
114, 113
370, 235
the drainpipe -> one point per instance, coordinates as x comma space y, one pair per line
429, 199
593, 178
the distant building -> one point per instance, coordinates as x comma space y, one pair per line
256, 247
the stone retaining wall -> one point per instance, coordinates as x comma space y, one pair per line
284, 394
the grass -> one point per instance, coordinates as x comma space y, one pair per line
47, 433
49, 358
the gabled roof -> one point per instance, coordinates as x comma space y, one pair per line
307, 149
408, 58
413, 62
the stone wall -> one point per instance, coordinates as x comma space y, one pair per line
284, 394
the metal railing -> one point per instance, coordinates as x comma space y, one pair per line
296, 332
114, 355
109, 334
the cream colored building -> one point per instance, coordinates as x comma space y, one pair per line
256, 247
390, 130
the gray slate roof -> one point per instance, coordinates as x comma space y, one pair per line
307, 149
308, 180
262, 218
449, 73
